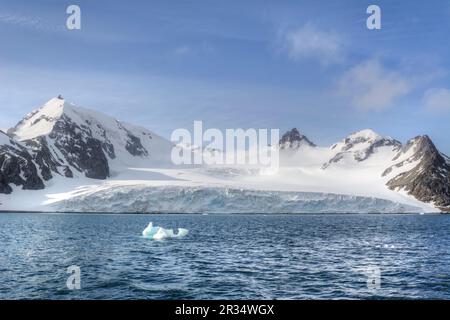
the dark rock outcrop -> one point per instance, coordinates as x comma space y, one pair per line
293, 139
17, 167
80, 149
429, 180
43, 157
134, 146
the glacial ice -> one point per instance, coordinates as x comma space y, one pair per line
178, 199
159, 233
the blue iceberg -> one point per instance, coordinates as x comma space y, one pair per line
159, 233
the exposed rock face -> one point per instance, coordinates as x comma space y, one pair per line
134, 145
68, 173
80, 149
429, 180
294, 139
42, 156
17, 167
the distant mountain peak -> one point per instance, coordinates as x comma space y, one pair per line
423, 141
294, 139
368, 136
365, 133
361, 145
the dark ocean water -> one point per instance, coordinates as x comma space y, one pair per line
225, 256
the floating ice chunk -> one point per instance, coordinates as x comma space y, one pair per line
150, 231
159, 233
168, 233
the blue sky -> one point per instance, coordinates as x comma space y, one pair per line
251, 64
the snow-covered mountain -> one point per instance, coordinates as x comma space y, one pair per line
422, 171
359, 146
68, 140
61, 157
416, 168
293, 139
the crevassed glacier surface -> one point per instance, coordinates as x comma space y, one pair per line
179, 199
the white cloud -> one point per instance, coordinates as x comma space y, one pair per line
310, 43
437, 99
371, 86
28, 22
185, 50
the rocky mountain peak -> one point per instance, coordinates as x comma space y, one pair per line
365, 134
426, 151
360, 145
41, 121
423, 144
294, 139
68, 140
366, 137
429, 178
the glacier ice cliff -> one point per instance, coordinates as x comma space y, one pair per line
179, 199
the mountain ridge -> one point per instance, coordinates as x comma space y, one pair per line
82, 140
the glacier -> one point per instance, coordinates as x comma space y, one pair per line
179, 199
